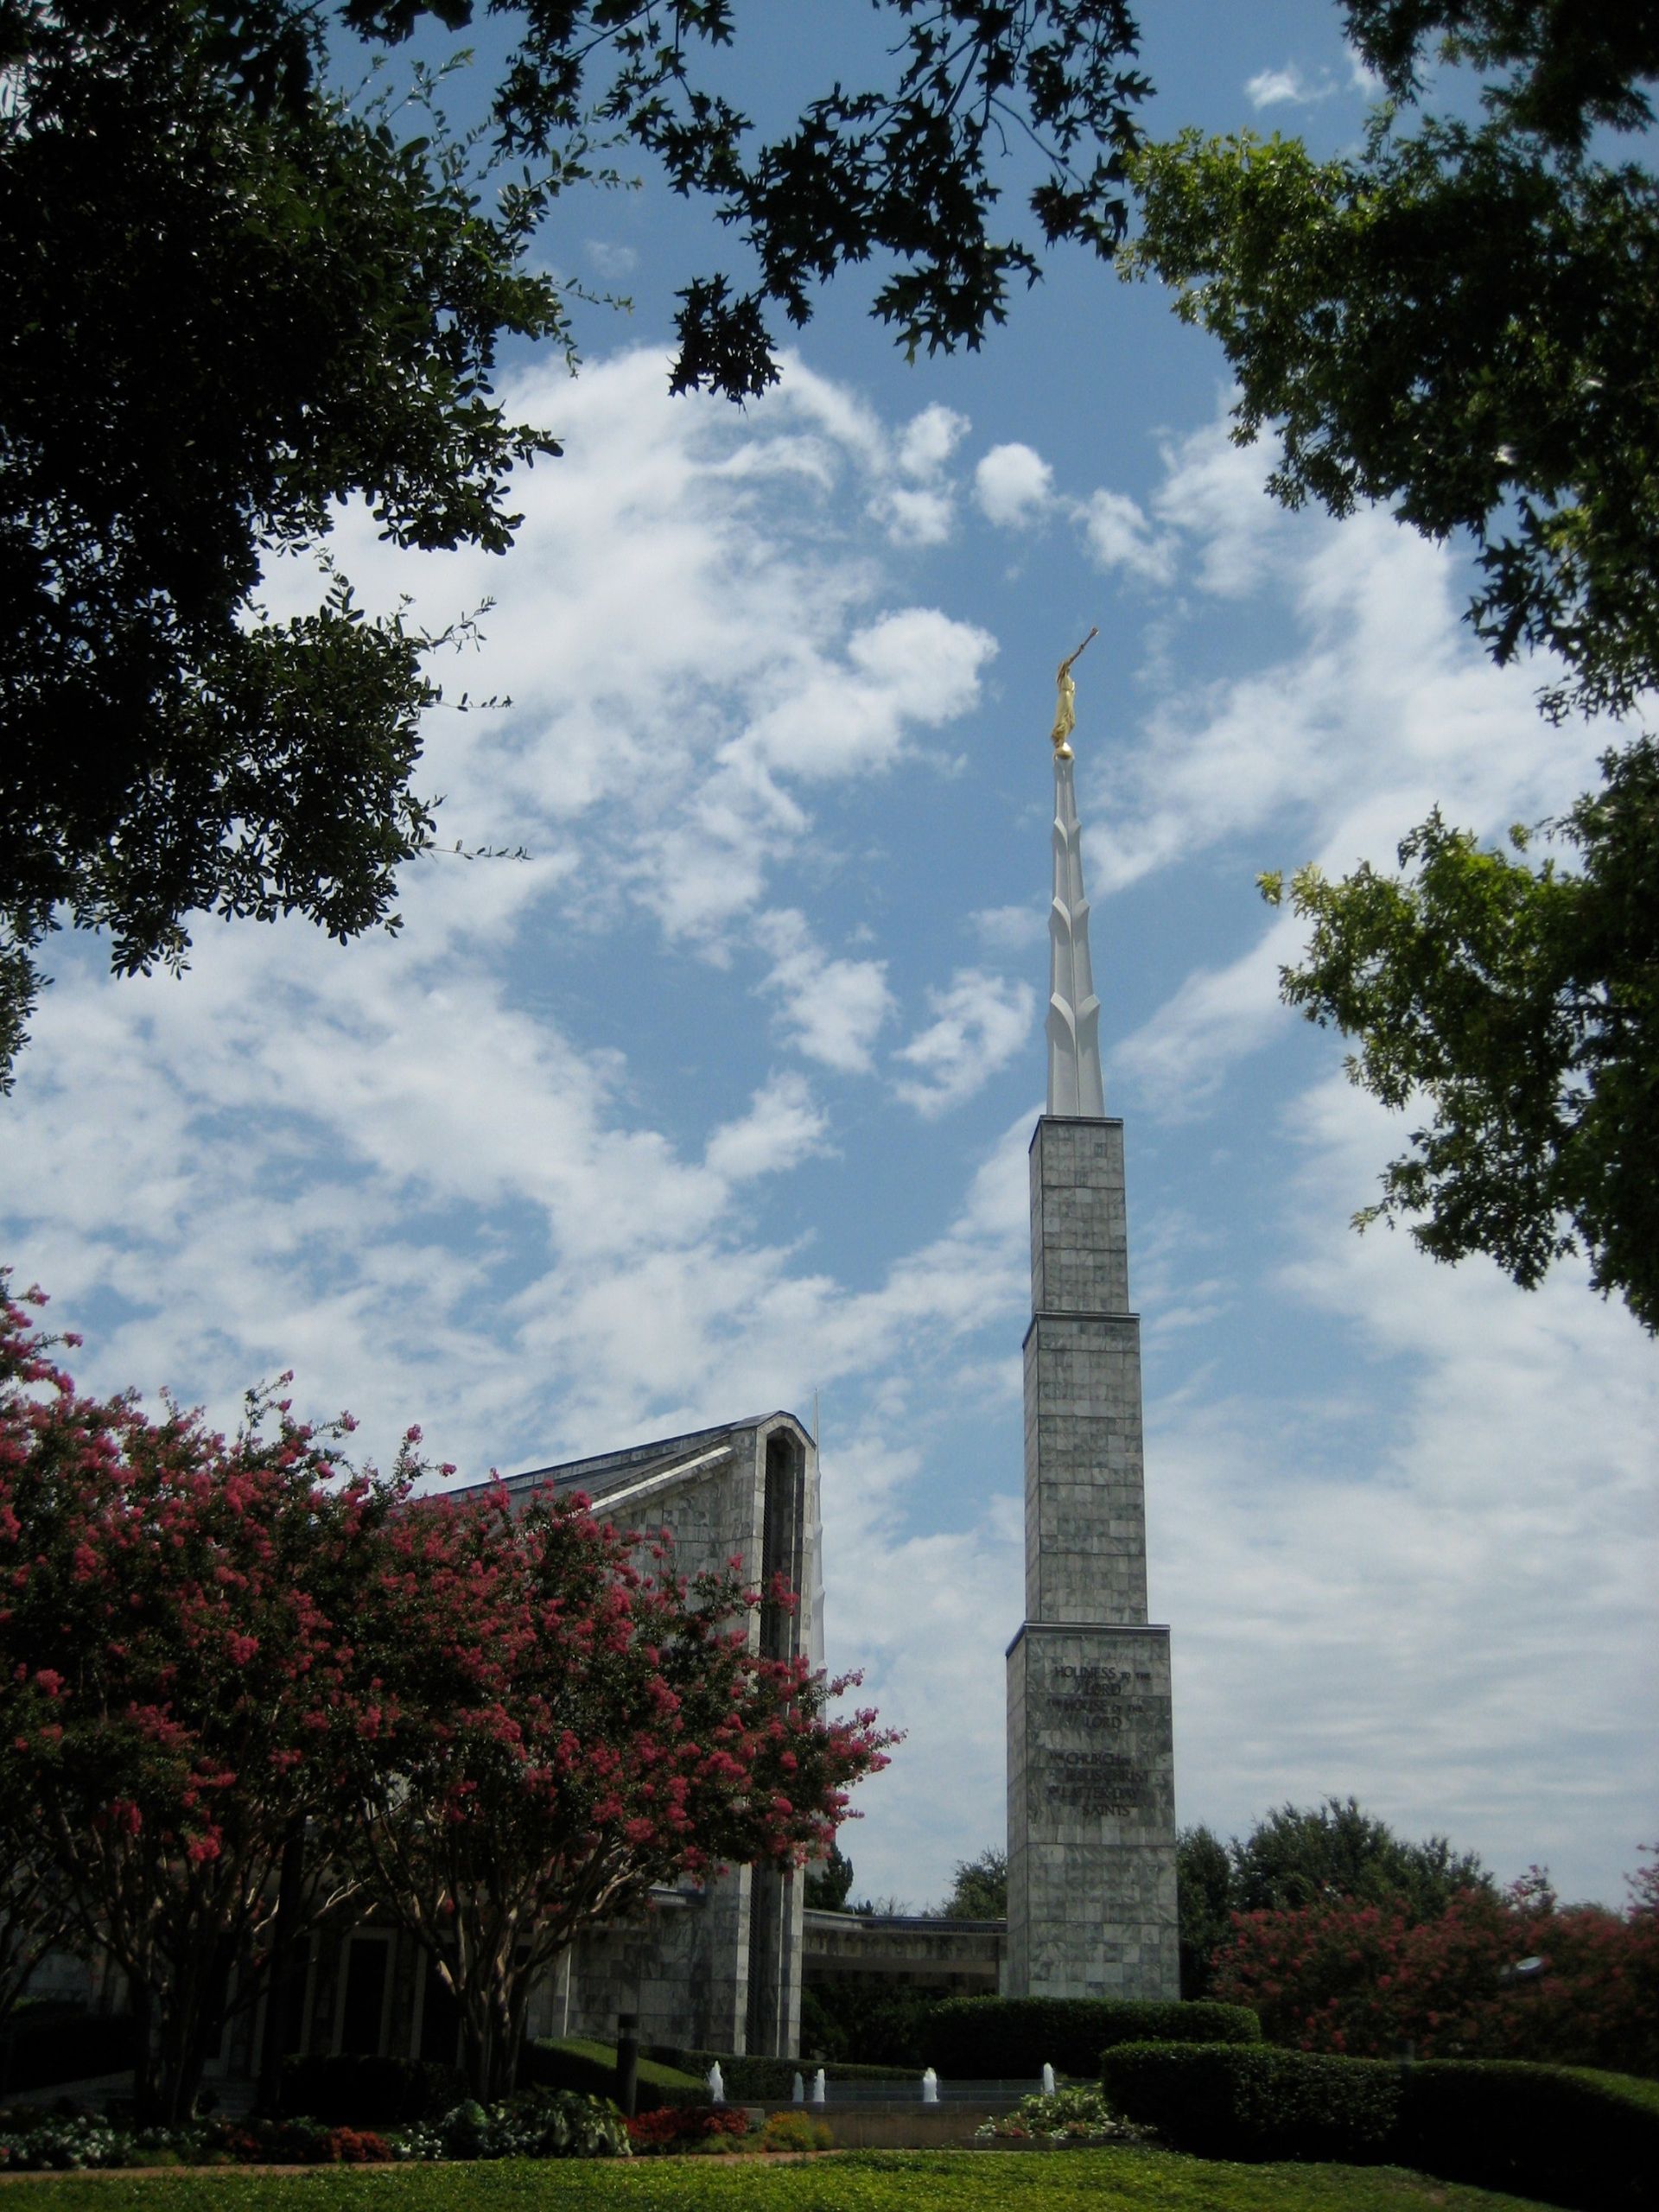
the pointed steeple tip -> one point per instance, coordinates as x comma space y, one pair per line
1074, 1078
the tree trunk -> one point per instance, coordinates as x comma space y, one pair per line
192, 2022
143, 2062
511, 2001
279, 1999
477, 2043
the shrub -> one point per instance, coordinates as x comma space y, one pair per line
1072, 2115
531, 2124
1232, 2100
869, 2024
1573, 2138
353, 2091
1003, 2038
34, 2142
1368, 1979
357, 2146
590, 2069
674, 2126
1587, 2140
795, 2131
295, 2142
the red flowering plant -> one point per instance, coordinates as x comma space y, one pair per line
172, 1675
552, 1722
669, 2126
1345, 1974
1509, 1976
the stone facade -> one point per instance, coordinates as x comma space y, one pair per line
1091, 1811
718, 1966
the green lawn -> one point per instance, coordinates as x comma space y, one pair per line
853, 2181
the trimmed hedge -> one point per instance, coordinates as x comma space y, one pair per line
574, 2064
772, 2080
1008, 2039
1233, 2100
349, 2090
1570, 2136
1567, 2135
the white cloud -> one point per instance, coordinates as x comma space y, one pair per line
1382, 706
1177, 1061
1119, 536
472, 1175
1010, 930
917, 515
1212, 491
684, 630
783, 1126
611, 261
922, 512
1289, 87
980, 1021
832, 1010
397, 1169
1433, 1590
851, 714
929, 439
1013, 483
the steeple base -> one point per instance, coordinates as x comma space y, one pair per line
1091, 1814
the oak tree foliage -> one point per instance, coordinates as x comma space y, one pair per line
227, 310
1458, 319
237, 297
1514, 1001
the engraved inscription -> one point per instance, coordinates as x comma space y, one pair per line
1092, 1700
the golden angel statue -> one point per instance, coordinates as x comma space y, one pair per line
1065, 707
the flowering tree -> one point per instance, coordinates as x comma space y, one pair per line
503, 1729
553, 1721
172, 1677
1345, 1974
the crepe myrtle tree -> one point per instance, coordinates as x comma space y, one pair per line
551, 1721
1490, 1975
174, 1673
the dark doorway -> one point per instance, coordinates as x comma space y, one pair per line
440, 2018
367, 1958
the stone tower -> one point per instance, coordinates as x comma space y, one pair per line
1091, 1799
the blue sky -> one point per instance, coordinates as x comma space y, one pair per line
721, 1098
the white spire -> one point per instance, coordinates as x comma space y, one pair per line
1074, 1083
